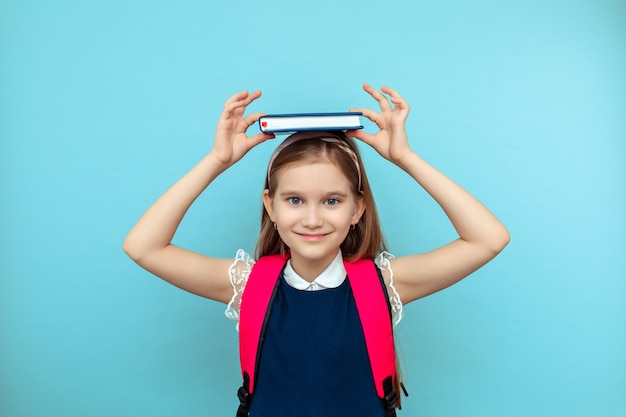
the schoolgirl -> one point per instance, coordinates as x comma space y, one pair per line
319, 213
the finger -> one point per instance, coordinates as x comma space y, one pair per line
230, 108
361, 135
396, 98
259, 138
241, 100
370, 114
244, 124
382, 100
253, 96
250, 98
251, 119
235, 98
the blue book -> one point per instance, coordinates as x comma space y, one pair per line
296, 122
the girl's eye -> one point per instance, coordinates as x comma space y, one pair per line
294, 200
332, 201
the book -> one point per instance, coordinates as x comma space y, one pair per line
295, 122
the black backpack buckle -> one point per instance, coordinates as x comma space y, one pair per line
243, 393
391, 398
244, 396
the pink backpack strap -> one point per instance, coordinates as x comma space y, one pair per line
254, 305
371, 303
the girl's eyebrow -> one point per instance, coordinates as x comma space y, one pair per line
332, 193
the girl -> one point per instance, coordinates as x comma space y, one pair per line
318, 209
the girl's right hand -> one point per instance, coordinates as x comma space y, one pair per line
231, 142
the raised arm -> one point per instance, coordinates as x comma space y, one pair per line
481, 235
149, 242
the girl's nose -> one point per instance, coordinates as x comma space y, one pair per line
312, 218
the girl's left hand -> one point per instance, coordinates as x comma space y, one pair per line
390, 141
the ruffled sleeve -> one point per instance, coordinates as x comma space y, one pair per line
238, 273
397, 312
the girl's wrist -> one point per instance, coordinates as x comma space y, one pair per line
216, 163
408, 160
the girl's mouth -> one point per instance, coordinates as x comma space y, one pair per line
312, 236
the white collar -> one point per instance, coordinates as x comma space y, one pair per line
332, 277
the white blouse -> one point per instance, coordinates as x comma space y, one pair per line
331, 277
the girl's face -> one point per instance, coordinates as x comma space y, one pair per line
313, 208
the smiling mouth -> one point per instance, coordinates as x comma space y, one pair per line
309, 236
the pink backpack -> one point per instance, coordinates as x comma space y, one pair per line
372, 305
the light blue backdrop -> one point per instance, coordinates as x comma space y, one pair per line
104, 104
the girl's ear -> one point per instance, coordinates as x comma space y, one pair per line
359, 209
267, 203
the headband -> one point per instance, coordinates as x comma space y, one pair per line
316, 134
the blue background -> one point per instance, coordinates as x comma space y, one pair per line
104, 104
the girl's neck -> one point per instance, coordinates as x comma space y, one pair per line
310, 269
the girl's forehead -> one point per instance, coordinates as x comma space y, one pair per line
317, 174
317, 167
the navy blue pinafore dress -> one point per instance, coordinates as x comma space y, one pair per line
314, 359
